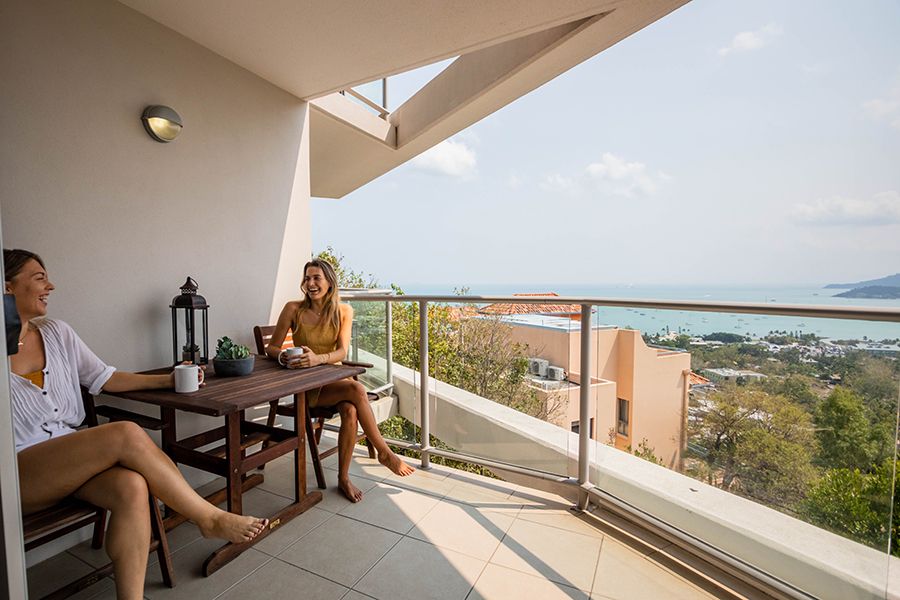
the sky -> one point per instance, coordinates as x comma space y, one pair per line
735, 143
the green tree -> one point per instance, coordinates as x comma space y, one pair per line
843, 431
856, 505
756, 444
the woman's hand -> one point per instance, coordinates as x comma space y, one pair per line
307, 359
200, 375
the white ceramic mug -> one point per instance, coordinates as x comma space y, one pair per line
287, 354
187, 379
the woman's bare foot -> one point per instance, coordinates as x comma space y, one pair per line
352, 493
233, 528
393, 462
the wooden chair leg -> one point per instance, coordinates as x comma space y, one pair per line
270, 422
370, 448
314, 454
99, 529
162, 549
320, 427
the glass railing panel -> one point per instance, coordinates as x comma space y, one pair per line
369, 342
404, 423
502, 385
795, 415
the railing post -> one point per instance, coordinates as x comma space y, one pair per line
584, 409
425, 416
389, 348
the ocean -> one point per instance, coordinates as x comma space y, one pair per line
699, 323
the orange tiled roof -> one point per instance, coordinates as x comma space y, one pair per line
531, 309
696, 379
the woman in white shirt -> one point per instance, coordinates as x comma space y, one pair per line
112, 465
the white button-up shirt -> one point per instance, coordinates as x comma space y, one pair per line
56, 409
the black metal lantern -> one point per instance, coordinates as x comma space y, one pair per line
188, 303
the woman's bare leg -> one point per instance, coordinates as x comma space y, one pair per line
346, 442
124, 493
352, 391
52, 470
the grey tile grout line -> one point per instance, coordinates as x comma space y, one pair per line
491, 557
251, 572
377, 562
330, 516
597, 565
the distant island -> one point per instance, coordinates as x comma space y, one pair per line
889, 281
881, 292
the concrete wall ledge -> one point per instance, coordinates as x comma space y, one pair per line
814, 560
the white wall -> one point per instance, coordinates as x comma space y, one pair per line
122, 220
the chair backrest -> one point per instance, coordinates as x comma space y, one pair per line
263, 333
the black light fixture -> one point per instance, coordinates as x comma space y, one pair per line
188, 303
162, 123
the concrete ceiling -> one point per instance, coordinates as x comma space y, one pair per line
506, 48
314, 48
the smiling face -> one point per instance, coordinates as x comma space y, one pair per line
31, 287
315, 285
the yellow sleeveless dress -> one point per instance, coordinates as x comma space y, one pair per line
321, 338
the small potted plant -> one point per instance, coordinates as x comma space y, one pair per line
232, 360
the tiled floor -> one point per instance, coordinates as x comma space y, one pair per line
440, 534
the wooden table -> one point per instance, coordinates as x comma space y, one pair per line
229, 397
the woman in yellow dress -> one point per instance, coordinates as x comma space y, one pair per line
321, 325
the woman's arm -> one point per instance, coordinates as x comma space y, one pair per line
122, 381
285, 320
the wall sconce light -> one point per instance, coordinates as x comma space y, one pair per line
162, 123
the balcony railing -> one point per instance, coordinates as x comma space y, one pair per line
766, 545
365, 94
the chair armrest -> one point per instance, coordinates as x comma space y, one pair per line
350, 363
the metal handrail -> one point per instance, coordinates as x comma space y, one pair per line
382, 111
859, 313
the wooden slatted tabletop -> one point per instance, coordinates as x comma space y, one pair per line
224, 395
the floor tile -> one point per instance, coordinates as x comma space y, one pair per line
51, 574
360, 466
277, 579
340, 549
279, 478
463, 528
292, 531
483, 497
431, 482
561, 518
533, 497
500, 583
390, 507
558, 555
189, 579
354, 595
623, 574
105, 589
415, 570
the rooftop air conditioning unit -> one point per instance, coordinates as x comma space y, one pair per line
556, 373
538, 366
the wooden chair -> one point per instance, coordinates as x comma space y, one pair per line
318, 415
72, 514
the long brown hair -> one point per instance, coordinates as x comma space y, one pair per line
331, 311
14, 260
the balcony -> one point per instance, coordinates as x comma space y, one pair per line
560, 513
441, 533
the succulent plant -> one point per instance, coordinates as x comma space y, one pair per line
228, 350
